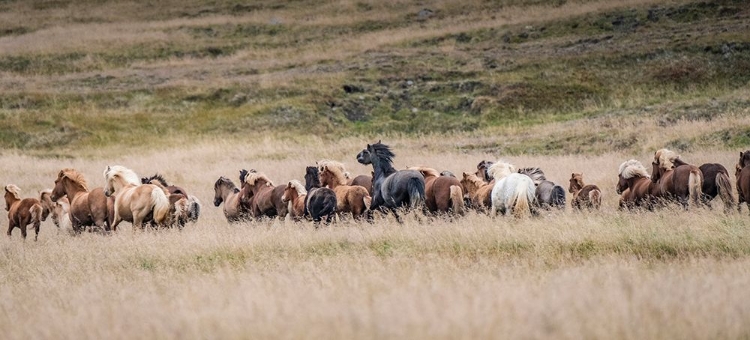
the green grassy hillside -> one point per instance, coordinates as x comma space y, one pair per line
98, 73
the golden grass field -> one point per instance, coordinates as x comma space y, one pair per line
608, 274
195, 90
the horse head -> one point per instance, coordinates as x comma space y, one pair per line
312, 180
364, 156
744, 159
656, 172
59, 189
576, 182
219, 186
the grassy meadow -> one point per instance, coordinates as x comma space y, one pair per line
195, 90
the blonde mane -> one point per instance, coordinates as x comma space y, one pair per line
13, 190
665, 158
75, 177
297, 185
632, 168
500, 170
254, 177
123, 173
427, 172
337, 173
472, 179
331, 163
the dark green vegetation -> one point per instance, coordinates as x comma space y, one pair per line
233, 68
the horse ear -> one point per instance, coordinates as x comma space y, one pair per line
380, 141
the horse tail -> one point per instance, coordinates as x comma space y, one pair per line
725, 191
558, 197
36, 212
457, 199
367, 199
695, 184
595, 197
161, 206
522, 199
415, 188
195, 209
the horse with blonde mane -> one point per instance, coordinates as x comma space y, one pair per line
352, 199
266, 198
361, 180
294, 196
87, 208
512, 191
191, 203
22, 212
135, 202
478, 191
59, 211
633, 176
443, 194
584, 196
677, 179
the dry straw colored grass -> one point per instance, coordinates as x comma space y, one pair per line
667, 274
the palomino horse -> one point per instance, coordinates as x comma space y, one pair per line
266, 199
676, 178
225, 191
319, 202
361, 180
392, 189
22, 212
191, 203
352, 199
443, 194
548, 194
478, 191
294, 196
135, 202
512, 191
584, 196
633, 176
716, 183
87, 208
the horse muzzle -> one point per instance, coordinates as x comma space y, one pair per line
107, 193
217, 202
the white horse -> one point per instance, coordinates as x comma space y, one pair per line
512, 191
135, 201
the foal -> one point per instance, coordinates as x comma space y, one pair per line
584, 196
22, 212
294, 196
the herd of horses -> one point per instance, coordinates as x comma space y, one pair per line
329, 191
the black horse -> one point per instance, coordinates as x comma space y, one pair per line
391, 189
319, 202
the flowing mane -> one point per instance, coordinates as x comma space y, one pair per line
633, 168
254, 177
158, 178
13, 190
666, 158
336, 172
123, 173
383, 152
500, 170
297, 185
75, 177
536, 174
426, 172
332, 164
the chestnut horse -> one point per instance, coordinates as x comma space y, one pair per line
584, 196
443, 194
225, 191
676, 178
135, 202
294, 196
266, 199
319, 202
478, 191
633, 176
22, 212
352, 199
87, 208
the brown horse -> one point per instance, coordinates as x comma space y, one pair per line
59, 210
22, 212
191, 202
584, 196
294, 196
87, 208
227, 192
716, 183
352, 199
633, 176
677, 179
135, 202
266, 199
364, 181
443, 194
478, 190
742, 175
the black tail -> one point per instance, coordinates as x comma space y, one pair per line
558, 197
416, 192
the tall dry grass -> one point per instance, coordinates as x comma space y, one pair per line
611, 274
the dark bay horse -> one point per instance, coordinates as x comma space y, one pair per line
392, 189
319, 202
636, 186
22, 212
677, 179
716, 183
87, 208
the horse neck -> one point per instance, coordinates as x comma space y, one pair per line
677, 162
332, 181
471, 187
72, 189
578, 186
10, 200
259, 186
382, 168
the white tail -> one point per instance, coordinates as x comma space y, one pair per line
521, 205
457, 199
695, 185
161, 205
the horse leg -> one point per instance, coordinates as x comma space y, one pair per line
23, 232
395, 213
10, 228
37, 224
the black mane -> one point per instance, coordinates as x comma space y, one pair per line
158, 177
383, 152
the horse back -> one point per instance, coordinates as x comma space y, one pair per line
364, 181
